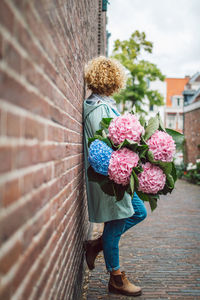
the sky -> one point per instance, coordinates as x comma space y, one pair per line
172, 26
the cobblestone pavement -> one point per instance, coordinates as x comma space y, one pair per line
161, 254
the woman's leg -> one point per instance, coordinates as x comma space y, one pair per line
115, 228
118, 282
110, 238
139, 215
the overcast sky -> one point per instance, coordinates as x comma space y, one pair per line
172, 25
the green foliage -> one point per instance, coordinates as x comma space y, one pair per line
101, 138
140, 72
105, 122
153, 203
177, 137
193, 174
152, 126
132, 184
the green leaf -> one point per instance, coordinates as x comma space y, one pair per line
98, 137
142, 121
161, 125
136, 181
99, 132
170, 181
173, 172
119, 190
143, 141
152, 126
101, 138
153, 203
107, 141
105, 122
94, 176
143, 196
165, 166
141, 148
165, 190
106, 187
129, 144
138, 169
150, 156
104, 134
132, 184
104, 181
90, 140
177, 137
143, 153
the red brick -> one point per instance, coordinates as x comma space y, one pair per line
6, 16
11, 256
55, 133
49, 270
11, 56
30, 257
13, 125
16, 93
1, 122
10, 223
5, 158
11, 192
43, 46
72, 137
22, 156
192, 135
33, 129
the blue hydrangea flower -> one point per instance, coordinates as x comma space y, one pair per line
99, 156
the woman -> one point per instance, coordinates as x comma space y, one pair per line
104, 77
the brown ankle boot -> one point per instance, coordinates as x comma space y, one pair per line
119, 284
92, 249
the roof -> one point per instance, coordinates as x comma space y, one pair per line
175, 86
189, 92
195, 96
194, 77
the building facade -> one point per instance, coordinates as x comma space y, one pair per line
43, 209
192, 119
175, 103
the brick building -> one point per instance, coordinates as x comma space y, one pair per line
43, 212
192, 118
175, 102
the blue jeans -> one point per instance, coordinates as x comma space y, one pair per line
115, 228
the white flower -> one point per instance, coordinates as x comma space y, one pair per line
190, 166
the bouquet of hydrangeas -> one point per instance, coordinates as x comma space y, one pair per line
128, 155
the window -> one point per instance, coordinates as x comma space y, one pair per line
171, 121
177, 101
151, 107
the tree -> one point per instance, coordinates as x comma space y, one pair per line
140, 72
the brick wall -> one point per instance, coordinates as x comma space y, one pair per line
192, 135
43, 211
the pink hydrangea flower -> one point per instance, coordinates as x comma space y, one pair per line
124, 127
152, 179
121, 164
162, 145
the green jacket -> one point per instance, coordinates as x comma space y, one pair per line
101, 207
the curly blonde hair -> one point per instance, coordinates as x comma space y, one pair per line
105, 76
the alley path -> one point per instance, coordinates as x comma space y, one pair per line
161, 254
